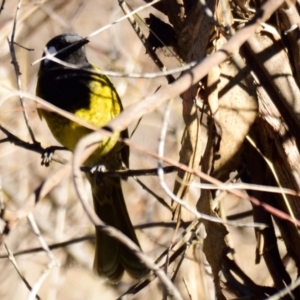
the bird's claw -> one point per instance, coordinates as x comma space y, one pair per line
47, 156
98, 169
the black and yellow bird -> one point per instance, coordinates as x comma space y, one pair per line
93, 98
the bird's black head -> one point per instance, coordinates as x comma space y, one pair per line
69, 48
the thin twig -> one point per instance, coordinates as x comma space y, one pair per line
36, 287
28, 49
15, 63
13, 261
35, 147
141, 285
180, 262
53, 246
146, 75
124, 17
151, 192
38, 234
161, 145
92, 236
187, 288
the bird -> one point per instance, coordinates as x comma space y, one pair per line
92, 97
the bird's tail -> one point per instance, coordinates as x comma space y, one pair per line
112, 257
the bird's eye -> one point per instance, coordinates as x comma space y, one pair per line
52, 49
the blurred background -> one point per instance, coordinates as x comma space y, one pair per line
60, 216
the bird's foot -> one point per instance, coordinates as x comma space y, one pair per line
98, 169
48, 154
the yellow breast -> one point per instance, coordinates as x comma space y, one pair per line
104, 105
